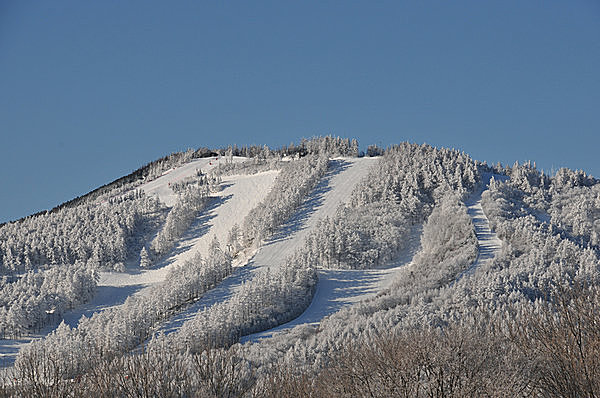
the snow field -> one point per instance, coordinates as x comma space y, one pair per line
338, 288
161, 186
239, 195
335, 188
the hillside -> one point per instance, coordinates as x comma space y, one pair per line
276, 274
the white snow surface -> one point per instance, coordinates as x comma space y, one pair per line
335, 188
338, 288
488, 241
161, 186
239, 194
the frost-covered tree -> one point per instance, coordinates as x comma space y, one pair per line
291, 186
144, 258
189, 202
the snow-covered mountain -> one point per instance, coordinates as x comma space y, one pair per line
262, 272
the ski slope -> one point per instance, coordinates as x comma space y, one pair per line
239, 194
488, 241
335, 188
338, 288
161, 186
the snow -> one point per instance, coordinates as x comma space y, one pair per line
9, 350
338, 288
161, 186
239, 194
335, 188
488, 241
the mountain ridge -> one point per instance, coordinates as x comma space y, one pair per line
491, 246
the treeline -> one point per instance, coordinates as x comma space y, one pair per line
248, 167
117, 330
101, 234
364, 237
271, 298
400, 191
40, 298
330, 145
551, 350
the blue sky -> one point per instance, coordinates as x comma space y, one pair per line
91, 90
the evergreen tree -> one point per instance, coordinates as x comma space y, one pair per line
144, 258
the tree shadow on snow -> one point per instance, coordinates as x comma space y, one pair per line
105, 297
199, 227
315, 199
220, 293
336, 289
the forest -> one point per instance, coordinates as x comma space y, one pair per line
453, 320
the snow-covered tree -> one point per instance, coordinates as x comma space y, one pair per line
144, 258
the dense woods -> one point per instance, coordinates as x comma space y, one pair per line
103, 233
400, 191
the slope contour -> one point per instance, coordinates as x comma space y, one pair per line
335, 188
239, 195
338, 288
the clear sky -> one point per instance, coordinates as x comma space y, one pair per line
92, 90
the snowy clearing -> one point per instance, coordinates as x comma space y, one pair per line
338, 288
161, 186
335, 188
